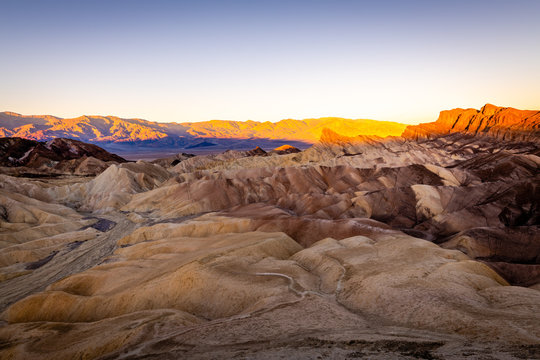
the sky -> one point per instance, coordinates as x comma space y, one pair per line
179, 61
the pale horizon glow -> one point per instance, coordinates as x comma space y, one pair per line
189, 61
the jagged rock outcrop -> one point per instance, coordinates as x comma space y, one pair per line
499, 122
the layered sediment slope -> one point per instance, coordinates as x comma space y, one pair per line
357, 247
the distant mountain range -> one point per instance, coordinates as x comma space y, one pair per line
124, 135
116, 133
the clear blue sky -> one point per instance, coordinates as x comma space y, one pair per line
267, 60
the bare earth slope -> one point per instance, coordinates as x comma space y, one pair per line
358, 247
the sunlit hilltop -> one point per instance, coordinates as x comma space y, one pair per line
308, 130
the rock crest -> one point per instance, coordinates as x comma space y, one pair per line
500, 122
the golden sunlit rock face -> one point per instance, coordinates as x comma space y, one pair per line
308, 130
499, 122
363, 245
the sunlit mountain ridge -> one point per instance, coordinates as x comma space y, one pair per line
495, 121
117, 130
308, 130
121, 135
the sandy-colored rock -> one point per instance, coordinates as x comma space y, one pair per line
113, 188
53, 340
417, 284
207, 277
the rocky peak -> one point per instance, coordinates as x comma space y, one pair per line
490, 109
500, 122
256, 152
285, 149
